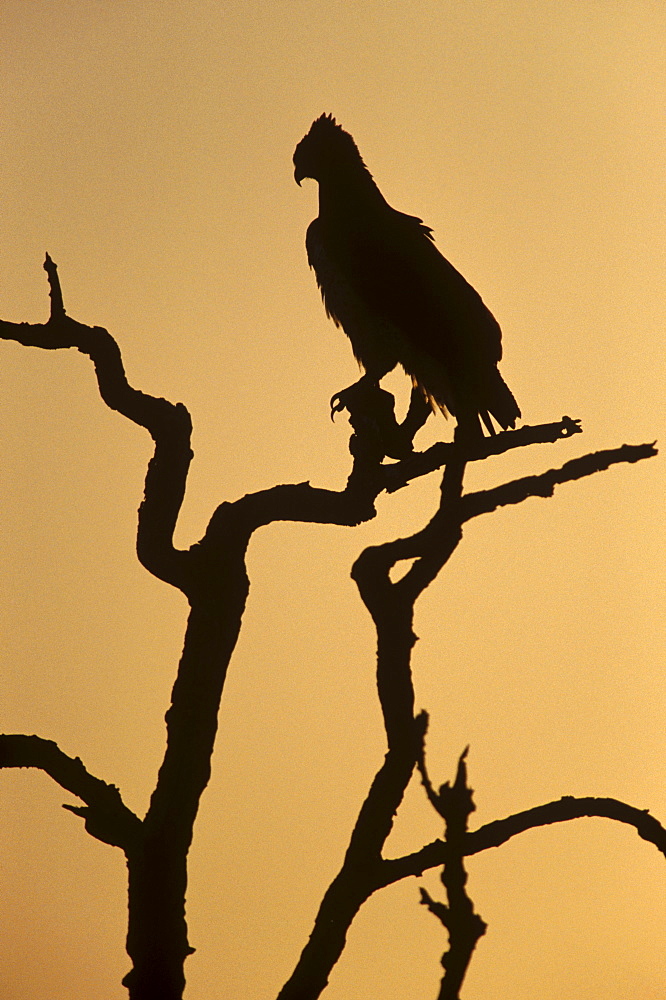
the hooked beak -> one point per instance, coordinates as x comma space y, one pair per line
298, 176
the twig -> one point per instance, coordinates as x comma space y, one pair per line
57, 307
106, 816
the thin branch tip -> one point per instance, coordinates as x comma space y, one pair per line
57, 306
571, 426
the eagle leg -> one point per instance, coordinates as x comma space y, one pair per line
372, 416
417, 414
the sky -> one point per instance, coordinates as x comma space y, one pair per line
147, 146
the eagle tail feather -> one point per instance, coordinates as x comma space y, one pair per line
502, 404
485, 416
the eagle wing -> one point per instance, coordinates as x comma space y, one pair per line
373, 333
401, 301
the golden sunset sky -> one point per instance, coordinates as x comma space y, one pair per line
147, 146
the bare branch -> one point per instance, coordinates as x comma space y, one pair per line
106, 816
455, 804
358, 877
567, 808
213, 575
391, 606
486, 501
421, 463
168, 424
303, 502
499, 831
57, 306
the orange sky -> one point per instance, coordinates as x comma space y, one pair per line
147, 146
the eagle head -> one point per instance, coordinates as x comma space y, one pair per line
324, 150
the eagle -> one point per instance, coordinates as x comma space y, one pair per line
398, 299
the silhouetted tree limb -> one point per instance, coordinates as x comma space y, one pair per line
55, 291
106, 816
486, 501
357, 879
497, 832
213, 576
455, 804
568, 807
169, 425
421, 463
391, 606
433, 545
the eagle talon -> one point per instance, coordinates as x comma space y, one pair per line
358, 396
337, 404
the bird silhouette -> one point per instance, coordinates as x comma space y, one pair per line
397, 298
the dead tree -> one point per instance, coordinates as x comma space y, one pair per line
212, 575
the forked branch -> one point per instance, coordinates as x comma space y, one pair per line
391, 606
213, 576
